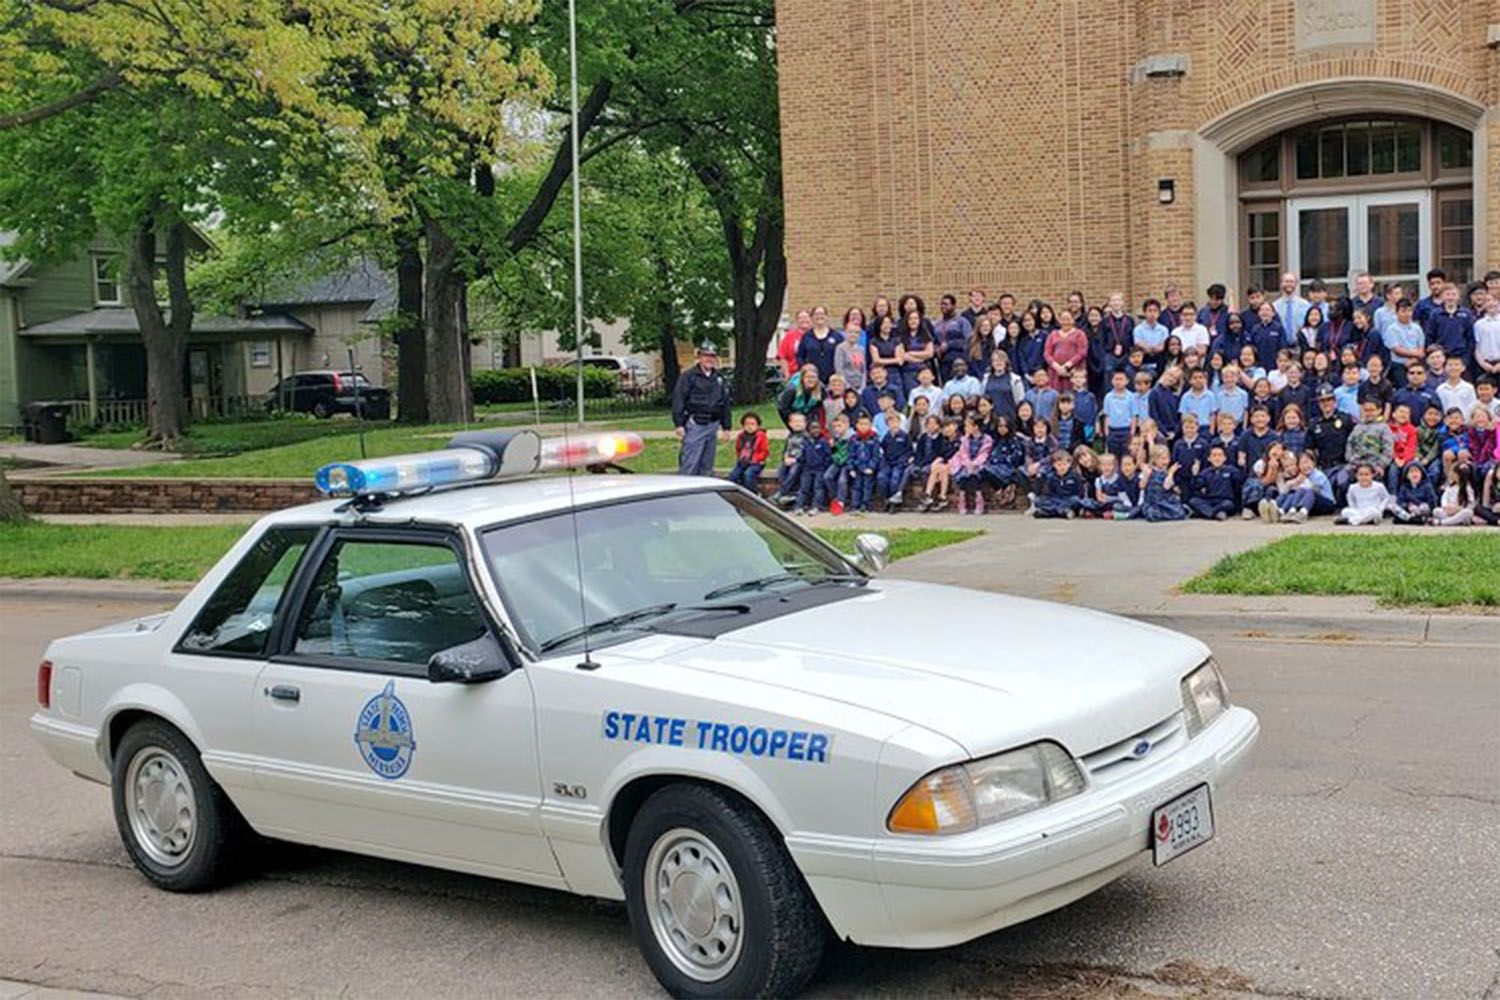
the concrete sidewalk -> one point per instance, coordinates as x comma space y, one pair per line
71, 457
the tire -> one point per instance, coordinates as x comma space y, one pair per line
208, 840
321, 411
705, 834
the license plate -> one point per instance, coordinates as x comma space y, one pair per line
1181, 825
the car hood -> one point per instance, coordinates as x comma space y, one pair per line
987, 670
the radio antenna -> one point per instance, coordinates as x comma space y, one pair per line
588, 662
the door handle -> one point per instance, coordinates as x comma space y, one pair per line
284, 692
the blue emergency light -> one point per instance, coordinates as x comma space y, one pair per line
474, 456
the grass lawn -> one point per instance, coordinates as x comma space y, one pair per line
1410, 568
113, 551
232, 437
146, 552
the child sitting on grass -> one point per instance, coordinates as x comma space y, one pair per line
1456, 505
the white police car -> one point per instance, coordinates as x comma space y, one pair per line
655, 689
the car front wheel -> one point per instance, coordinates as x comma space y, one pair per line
178, 826
717, 905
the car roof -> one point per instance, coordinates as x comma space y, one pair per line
481, 504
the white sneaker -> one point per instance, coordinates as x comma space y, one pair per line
1297, 515
1248, 515
1273, 512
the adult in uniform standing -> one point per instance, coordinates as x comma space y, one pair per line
700, 412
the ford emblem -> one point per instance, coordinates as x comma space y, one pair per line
1141, 749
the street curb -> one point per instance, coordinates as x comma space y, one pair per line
1417, 627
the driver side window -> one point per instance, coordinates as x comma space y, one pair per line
396, 602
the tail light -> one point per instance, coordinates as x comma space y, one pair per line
338, 383
44, 684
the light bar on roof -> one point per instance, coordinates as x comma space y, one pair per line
474, 456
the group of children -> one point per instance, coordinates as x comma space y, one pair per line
1347, 423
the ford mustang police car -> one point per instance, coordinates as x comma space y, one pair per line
652, 689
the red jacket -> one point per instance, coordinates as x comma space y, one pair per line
752, 448
1405, 444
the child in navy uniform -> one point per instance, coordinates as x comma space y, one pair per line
1004, 471
1085, 406
1039, 448
1061, 492
864, 459
1068, 428
1109, 485
1160, 500
1253, 446
938, 476
1216, 489
895, 463
1189, 452
814, 462
751, 449
926, 447
967, 466
1415, 497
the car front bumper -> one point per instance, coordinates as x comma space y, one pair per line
931, 892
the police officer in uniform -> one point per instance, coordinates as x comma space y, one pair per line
700, 412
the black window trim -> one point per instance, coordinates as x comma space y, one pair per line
282, 633
319, 529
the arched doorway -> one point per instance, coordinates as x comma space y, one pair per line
1417, 188
1389, 195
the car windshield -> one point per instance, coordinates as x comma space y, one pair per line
648, 559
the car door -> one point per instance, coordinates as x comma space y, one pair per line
359, 750
215, 664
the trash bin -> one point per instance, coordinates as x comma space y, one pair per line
46, 423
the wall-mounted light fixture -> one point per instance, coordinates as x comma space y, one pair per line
1166, 190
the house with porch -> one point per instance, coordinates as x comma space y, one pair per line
67, 335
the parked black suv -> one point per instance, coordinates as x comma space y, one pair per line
324, 393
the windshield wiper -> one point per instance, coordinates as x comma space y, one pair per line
761, 583
604, 624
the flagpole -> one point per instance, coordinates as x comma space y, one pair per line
577, 205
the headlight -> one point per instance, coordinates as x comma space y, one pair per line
967, 796
1204, 697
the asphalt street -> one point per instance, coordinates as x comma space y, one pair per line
1357, 857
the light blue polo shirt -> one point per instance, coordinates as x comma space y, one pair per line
1203, 407
1150, 337
1233, 401
1118, 410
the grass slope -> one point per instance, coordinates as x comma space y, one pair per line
1412, 568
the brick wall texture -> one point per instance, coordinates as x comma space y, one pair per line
934, 145
44, 495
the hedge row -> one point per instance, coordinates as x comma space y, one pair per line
513, 385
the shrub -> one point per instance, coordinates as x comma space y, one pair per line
513, 385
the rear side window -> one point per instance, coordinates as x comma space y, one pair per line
237, 618
397, 602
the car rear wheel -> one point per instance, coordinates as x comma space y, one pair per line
178, 826
717, 905
321, 410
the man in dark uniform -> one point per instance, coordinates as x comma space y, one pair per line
700, 412
1328, 436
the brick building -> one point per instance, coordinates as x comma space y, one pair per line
1041, 145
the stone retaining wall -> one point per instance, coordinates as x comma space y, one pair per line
99, 495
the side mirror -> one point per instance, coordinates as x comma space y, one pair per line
469, 663
874, 551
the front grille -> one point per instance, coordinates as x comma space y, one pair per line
1118, 760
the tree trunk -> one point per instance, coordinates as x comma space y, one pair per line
447, 395
753, 338
11, 511
164, 336
410, 334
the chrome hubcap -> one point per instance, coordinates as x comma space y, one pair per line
159, 803
694, 904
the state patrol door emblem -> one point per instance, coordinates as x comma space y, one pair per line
384, 734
